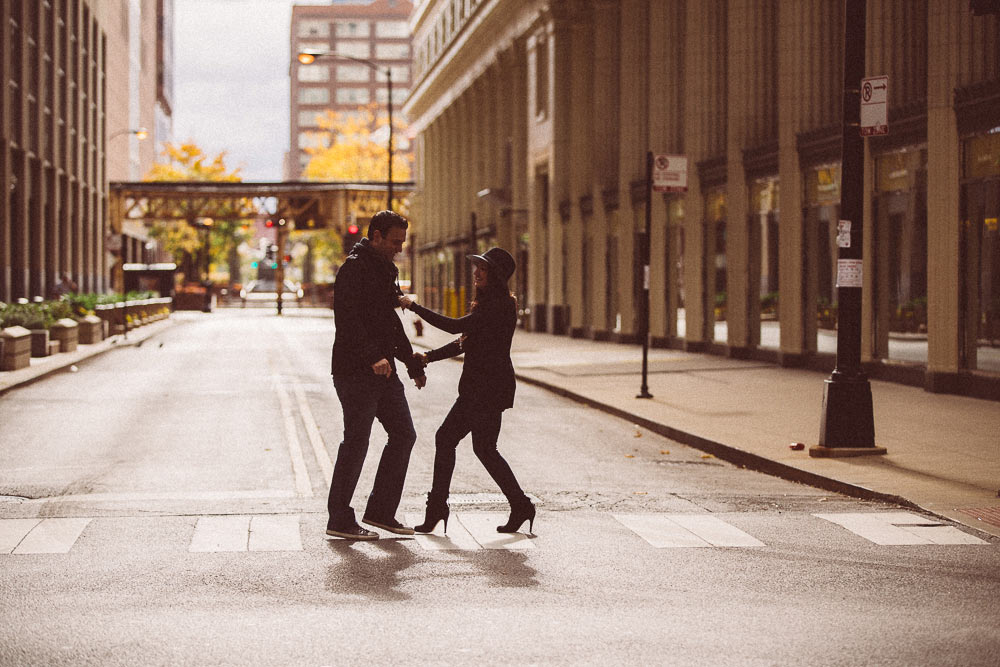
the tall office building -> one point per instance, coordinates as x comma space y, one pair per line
376, 32
79, 79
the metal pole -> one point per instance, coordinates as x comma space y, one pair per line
388, 78
279, 271
847, 425
644, 252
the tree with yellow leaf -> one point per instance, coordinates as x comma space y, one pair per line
347, 148
188, 162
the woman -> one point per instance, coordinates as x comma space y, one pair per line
485, 390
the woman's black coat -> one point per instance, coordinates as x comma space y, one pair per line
487, 374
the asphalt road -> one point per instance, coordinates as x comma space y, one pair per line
165, 504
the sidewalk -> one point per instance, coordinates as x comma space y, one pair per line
943, 450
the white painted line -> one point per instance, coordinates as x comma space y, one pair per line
660, 531
52, 536
254, 494
318, 446
220, 533
483, 528
908, 518
874, 529
275, 532
943, 534
715, 531
301, 473
457, 538
12, 531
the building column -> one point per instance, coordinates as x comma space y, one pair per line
944, 171
604, 161
633, 144
580, 94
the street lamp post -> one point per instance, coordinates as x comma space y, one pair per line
309, 56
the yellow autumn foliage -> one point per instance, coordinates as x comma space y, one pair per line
347, 151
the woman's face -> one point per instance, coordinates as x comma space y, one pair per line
479, 275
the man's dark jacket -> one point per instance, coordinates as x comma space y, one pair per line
487, 372
365, 297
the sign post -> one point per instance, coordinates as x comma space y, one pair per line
847, 424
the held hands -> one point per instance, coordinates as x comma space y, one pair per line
405, 302
421, 381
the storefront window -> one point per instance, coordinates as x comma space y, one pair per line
715, 243
764, 218
900, 234
981, 251
674, 255
820, 265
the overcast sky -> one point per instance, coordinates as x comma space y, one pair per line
231, 80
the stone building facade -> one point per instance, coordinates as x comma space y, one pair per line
533, 119
77, 77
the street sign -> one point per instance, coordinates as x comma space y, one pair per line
874, 106
670, 173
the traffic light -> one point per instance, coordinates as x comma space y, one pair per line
269, 224
351, 236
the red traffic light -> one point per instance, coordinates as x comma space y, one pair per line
288, 258
352, 229
269, 223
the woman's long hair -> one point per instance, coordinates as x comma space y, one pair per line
495, 288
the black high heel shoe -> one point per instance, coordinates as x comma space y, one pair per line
436, 511
518, 515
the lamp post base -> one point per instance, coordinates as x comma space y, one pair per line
847, 422
819, 451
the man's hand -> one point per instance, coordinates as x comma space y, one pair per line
421, 357
382, 367
420, 381
405, 302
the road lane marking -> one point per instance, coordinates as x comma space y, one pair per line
12, 531
318, 446
220, 533
483, 528
302, 485
900, 529
715, 531
275, 532
253, 494
52, 536
457, 538
660, 532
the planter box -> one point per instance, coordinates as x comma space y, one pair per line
91, 330
66, 331
39, 342
16, 348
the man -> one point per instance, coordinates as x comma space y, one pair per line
369, 335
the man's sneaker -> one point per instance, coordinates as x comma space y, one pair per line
391, 525
354, 532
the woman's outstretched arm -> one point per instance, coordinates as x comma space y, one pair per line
452, 325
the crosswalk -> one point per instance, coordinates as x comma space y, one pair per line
469, 531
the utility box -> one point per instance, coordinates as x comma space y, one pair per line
16, 348
66, 331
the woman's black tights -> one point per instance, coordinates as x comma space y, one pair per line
484, 424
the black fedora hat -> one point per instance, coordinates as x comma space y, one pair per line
497, 259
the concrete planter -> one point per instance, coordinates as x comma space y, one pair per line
91, 330
16, 348
39, 342
66, 331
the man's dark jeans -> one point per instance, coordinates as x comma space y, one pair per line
365, 397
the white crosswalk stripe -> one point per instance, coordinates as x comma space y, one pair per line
246, 533
45, 536
900, 528
471, 531
686, 530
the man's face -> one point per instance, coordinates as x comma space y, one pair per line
391, 244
